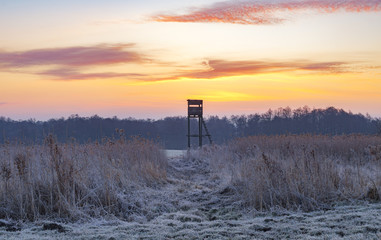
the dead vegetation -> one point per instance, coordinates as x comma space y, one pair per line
74, 181
215, 192
300, 172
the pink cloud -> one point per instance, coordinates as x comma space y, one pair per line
75, 63
266, 12
216, 68
71, 74
213, 68
105, 54
70, 62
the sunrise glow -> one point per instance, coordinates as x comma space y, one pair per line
143, 60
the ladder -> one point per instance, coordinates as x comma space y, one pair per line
207, 132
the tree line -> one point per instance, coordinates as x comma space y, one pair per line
171, 131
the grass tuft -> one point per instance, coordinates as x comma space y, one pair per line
300, 172
73, 181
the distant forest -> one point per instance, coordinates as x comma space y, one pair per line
171, 131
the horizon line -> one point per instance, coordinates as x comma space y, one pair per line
76, 115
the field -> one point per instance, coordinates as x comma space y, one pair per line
310, 187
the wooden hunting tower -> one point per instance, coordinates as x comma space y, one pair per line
195, 111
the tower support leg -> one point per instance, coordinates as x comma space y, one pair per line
189, 141
200, 131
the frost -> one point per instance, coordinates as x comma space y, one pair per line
196, 204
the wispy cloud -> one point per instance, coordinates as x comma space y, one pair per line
266, 12
71, 74
211, 69
78, 56
2, 103
216, 68
81, 63
73, 63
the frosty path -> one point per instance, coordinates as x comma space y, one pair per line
194, 204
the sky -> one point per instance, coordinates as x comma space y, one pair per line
144, 59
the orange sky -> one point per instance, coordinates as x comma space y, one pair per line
146, 59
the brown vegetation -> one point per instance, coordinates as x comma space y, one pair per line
74, 181
303, 171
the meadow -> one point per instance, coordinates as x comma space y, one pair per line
294, 186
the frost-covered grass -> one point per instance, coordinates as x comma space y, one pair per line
354, 222
307, 172
72, 181
210, 193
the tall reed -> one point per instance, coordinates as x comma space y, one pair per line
74, 181
305, 171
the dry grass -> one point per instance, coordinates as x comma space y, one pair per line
73, 181
307, 172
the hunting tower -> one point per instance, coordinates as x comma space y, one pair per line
195, 110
